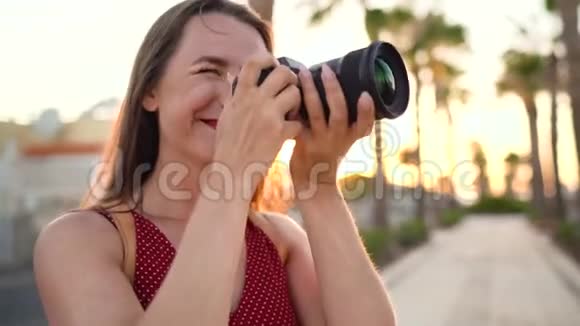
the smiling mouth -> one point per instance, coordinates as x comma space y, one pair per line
210, 122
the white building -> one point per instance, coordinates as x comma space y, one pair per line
44, 170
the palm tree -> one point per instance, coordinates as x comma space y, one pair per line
445, 76
373, 24
523, 73
481, 161
568, 12
553, 80
418, 39
381, 211
512, 162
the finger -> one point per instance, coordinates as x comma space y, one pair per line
291, 129
365, 116
250, 72
312, 101
288, 100
278, 80
338, 119
305, 135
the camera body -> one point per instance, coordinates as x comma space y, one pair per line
377, 69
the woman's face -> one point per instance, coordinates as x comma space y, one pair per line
196, 83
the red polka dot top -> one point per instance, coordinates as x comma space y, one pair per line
265, 296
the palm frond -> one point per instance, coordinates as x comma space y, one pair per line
395, 21
523, 73
374, 23
550, 5
409, 156
512, 159
398, 17
321, 13
437, 31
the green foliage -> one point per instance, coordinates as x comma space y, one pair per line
356, 186
412, 233
500, 205
445, 76
319, 14
392, 20
409, 156
512, 159
413, 34
525, 64
398, 17
377, 242
568, 233
523, 73
374, 22
437, 31
550, 5
451, 217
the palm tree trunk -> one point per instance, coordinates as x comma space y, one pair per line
569, 12
381, 213
420, 213
264, 8
537, 179
509, 188
560, 207
450, 155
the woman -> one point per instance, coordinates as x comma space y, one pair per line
183, 148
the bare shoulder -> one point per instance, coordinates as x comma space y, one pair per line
79, 232
75, 243
77, 266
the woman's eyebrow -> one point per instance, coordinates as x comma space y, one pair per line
218, 61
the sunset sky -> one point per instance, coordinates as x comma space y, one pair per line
70, 54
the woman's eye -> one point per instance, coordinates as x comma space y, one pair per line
209, 70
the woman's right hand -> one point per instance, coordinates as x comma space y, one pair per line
252, 126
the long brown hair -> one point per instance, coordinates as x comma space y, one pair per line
134, 146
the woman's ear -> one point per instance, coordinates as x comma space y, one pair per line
150, 101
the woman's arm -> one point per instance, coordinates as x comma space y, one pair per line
352, 292
78, 269
351, 289
199, 286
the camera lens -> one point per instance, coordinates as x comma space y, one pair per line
377, 69
385, 81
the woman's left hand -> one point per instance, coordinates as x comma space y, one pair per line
320, 148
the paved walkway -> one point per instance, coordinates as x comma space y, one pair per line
487, 271
19, 302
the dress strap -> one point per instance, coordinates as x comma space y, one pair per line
124, 221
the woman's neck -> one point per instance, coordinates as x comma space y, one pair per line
172, 190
